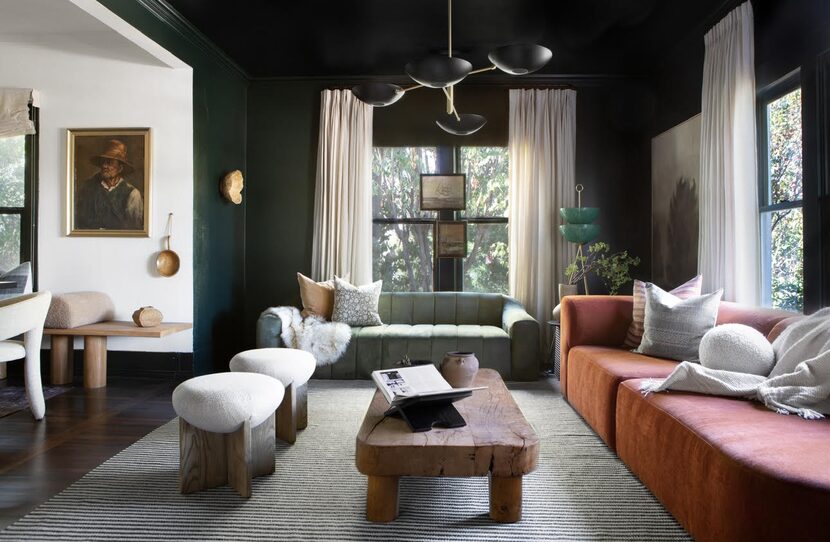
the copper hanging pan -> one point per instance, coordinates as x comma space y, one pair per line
167, 261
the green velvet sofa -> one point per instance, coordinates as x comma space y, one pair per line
426, 325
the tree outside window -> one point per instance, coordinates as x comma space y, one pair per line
403, 235
12, 199
782, 222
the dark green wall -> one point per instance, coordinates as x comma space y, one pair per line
219, 146
788, 36
246, 257
612, 162
283, 121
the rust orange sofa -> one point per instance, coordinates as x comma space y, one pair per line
727, 469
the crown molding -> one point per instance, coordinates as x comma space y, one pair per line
176, 21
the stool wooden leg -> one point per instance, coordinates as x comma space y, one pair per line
239, 455
382, 498
209, 460
287, 416
61, 359
263, 445
203, 461
302, 406
3, 373
95, 361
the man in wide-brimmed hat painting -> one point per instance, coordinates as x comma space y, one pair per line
107, 200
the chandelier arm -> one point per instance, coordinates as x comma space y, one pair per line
413, 87
449, 28
482, 70
451, 108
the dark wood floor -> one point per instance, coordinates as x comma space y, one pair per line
81, 430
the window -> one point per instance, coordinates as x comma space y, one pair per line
782, 220
486, 265
17, 192
403, 235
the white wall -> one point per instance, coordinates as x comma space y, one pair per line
99, 87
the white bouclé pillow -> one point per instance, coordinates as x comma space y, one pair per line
737, 348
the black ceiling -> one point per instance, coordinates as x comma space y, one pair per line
377, 37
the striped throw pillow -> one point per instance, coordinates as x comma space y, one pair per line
634, 336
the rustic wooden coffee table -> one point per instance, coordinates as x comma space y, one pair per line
497, 441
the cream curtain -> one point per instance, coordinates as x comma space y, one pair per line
14, 111
342, 242
729, 247
541, 147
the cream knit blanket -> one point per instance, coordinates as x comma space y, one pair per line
799, 382
326, 341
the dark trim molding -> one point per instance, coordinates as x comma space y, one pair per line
122, 363
176, 21
565, 80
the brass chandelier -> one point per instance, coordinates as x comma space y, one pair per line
444, 72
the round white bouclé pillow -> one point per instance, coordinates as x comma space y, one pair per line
737, 348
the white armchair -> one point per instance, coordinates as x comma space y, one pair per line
25, 315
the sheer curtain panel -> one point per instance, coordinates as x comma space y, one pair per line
729, 246
541, 147
342, 242
14, 111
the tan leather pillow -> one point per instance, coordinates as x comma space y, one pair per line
317, 297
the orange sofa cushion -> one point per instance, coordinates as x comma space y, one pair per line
595, 372
728, 469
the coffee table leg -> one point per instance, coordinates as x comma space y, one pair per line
382, 498
505, 498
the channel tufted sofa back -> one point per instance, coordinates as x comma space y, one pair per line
454, 308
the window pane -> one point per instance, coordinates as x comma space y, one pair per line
396, 180
402, 256
9, 242
784, 161
12, 168
485, 268
783, 265
486, 169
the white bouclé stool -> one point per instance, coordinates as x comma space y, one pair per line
291, 367
226, 430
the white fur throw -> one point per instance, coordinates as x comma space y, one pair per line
799, 383
736, 347
326, 341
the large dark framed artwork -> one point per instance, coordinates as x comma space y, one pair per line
440, 192
108, 182
675, 173
450, 239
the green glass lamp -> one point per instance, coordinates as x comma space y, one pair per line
578, 227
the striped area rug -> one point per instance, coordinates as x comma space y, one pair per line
580, 490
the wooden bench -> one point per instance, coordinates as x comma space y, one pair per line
95, 347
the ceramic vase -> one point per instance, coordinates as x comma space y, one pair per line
567, 289
459, 368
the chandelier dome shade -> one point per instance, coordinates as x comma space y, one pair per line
438, 71
469, 123
520, 58
378, 94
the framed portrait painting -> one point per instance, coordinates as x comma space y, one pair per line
450, 239
108, 182
441, 192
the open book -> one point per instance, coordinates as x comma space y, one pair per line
419, 382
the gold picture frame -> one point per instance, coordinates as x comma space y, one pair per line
450, 239
443, 192
108, 182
